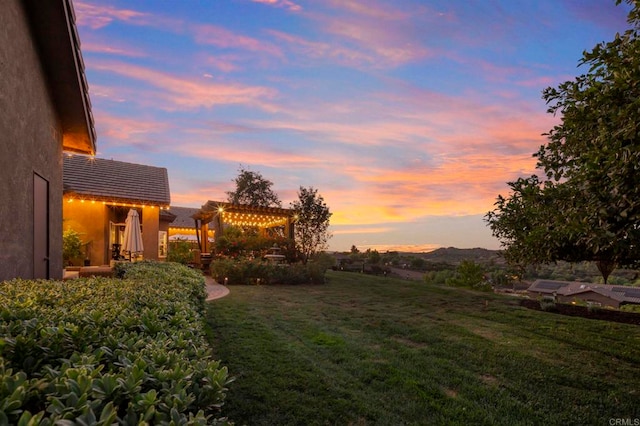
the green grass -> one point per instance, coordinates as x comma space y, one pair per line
369, 350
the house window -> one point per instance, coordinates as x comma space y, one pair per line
162, 244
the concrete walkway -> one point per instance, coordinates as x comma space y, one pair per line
214, 290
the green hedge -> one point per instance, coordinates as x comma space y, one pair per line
244, 271
105, 351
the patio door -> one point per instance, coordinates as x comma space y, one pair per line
116, 237
40, 227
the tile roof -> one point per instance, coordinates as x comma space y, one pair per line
184, 217
115, 181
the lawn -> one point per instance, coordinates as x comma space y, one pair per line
367, 350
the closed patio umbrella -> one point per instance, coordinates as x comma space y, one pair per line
132, 242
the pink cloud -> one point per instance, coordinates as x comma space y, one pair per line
382, 31
98, 16
189, 195
248, 154
187, 93
224, 63
124, 130
286, 4
325, 50
221, 37
371, 9
112, 49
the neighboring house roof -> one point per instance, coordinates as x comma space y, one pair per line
167, 216
620, 293
115, 181
184, 217
53, 27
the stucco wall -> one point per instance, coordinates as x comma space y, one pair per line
150, 228
30, 142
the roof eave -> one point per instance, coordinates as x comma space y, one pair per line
53, 27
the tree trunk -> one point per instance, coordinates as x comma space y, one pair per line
605, 267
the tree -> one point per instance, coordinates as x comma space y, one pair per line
469, 274
311, 227
373, 257
588, 205
254, 190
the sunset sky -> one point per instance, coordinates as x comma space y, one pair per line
408, 116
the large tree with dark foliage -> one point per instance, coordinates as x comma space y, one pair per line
312, 224
254, 190
586, 207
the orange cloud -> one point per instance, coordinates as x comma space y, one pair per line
250, 154
406, 248
371, 230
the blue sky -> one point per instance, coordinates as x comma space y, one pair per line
408, 116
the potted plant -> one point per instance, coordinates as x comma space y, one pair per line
71, 246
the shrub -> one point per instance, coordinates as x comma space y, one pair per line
179, 252
227, 271
245, 271
438, 277
548, 304
104, 351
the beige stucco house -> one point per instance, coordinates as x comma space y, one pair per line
98, 194
45, 110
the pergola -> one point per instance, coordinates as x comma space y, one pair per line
222, 213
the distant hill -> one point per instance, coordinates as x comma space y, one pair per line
454, 255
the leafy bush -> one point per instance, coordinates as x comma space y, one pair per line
469, 274
438, 277
71, 245
548, 304
245, 271
179, 252
105, 351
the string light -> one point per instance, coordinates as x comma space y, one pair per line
119, 204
